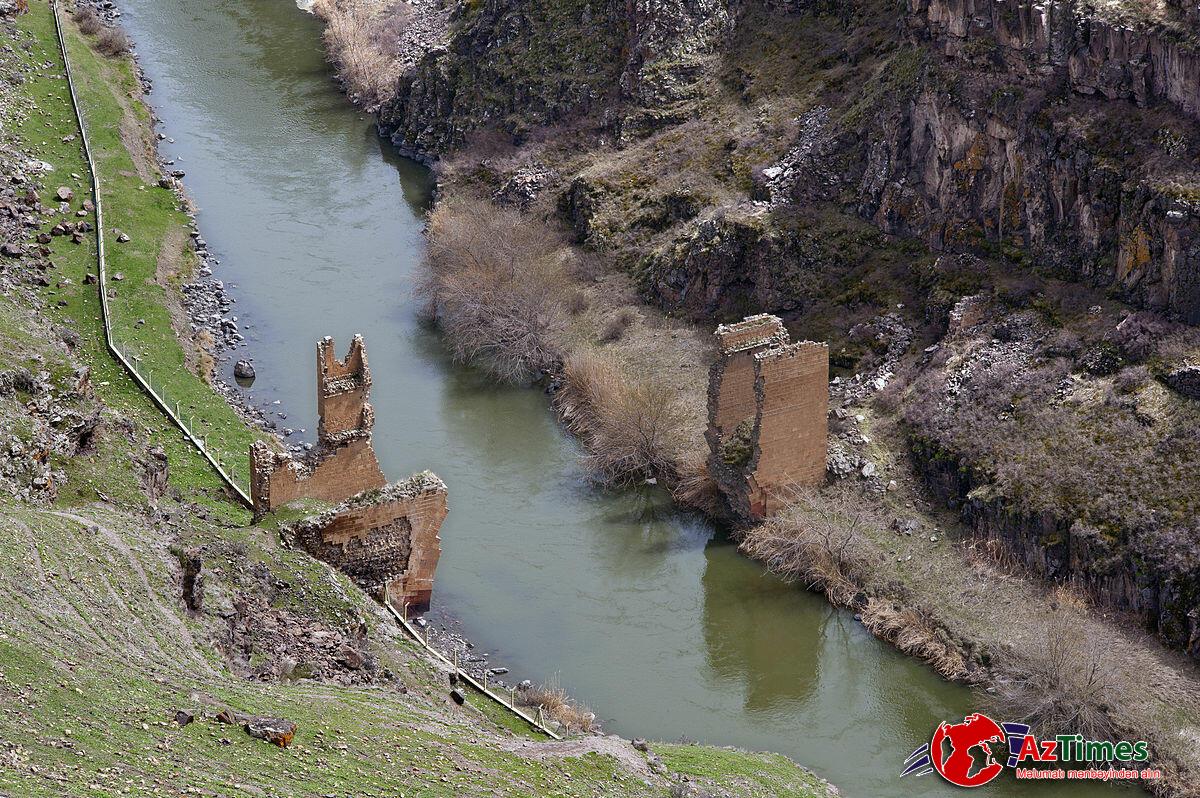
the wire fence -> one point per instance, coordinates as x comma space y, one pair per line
174, 408
127, 356
506, 699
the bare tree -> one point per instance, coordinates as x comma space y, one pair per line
494, 282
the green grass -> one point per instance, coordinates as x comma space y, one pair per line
743, 773
96, 650
150, 216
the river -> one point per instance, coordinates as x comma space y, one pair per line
648, 615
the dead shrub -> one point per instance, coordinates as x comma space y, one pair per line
1131, 379
811, 540
915, 635
616, 325
87, 21
113, 42
557, 705
577, 303
633, 428
1062, 685
494, 283
358, 45
695, 488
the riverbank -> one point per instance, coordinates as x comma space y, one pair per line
914, 568
912, 573
129, 574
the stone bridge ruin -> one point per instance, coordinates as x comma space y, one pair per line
384, 537
768, 407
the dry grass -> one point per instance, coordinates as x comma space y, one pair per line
810, 541
495, 284
616, 325
915, 635
557, 705
364, 64
113, 42
205, 363
1063, 685
577, 303
87, 21
696, 489
816, 540
632, 427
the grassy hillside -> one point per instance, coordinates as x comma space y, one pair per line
105, 635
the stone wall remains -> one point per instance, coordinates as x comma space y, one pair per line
386, 541
768, 406
343, 462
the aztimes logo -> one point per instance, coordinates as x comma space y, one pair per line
967, 754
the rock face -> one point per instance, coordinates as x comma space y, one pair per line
1185, 380
1062, 130
1068, 135
521, 65
1154, 574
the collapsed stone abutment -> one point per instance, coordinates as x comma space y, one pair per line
768, 406
385, 537
386, 541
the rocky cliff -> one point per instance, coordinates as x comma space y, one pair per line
513, 67
843, 163
1060, 131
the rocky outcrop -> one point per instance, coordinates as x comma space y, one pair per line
1026, 134
1154, 574
514, 67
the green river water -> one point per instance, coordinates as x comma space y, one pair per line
648, 615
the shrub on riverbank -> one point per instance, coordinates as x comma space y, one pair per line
632, 427
495, 284
1063, 687
818, 539
113, 42
89, 23
557, 705
363, 62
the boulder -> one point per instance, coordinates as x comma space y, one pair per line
1185, 380
64, 194
274, 730
243, 370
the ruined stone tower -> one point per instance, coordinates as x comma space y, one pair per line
768, 406
384, 537
343, 462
